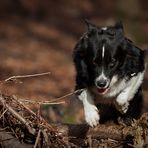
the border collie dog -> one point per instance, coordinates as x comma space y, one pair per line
109, 70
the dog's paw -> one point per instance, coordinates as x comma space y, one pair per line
92, 116
122, 107
125, 121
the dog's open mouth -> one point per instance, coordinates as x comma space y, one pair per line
102, 90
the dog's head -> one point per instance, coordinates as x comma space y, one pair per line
105, 45
107, 55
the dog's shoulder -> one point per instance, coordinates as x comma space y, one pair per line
134, 62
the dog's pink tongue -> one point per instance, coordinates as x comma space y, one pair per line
101, 90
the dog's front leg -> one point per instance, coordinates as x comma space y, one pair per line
122, 102
123, 99
90, 110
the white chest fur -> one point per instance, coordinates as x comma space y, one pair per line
124, 87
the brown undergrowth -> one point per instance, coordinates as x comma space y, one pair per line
26, 126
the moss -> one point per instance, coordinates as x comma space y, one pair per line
69, 119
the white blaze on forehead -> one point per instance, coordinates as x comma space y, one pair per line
103, 51
102, 75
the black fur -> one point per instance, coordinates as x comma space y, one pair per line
122, 58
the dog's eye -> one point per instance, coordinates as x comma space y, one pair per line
111, 32
112, 63
94, 63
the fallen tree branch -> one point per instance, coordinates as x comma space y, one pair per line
137, 133
116, 132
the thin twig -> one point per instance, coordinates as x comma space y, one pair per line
14, 133
37, 139
33, 113
13, 78
39, 113
53, 101
65, 96
3, 113
3, 129
6, 139
44, 132
40, 102
28, 109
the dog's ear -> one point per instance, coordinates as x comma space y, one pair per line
90, 26
119, 25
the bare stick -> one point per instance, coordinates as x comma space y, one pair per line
15, 98
46, 138
65, 96
3, 113
6, 139
33, 113
13, 78
3, 129
40, 102
37, 139
14, 113
53, 101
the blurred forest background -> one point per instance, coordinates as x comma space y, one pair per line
39, 35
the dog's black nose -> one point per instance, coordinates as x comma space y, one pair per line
102, 83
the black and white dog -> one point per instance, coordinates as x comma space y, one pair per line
110, 70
